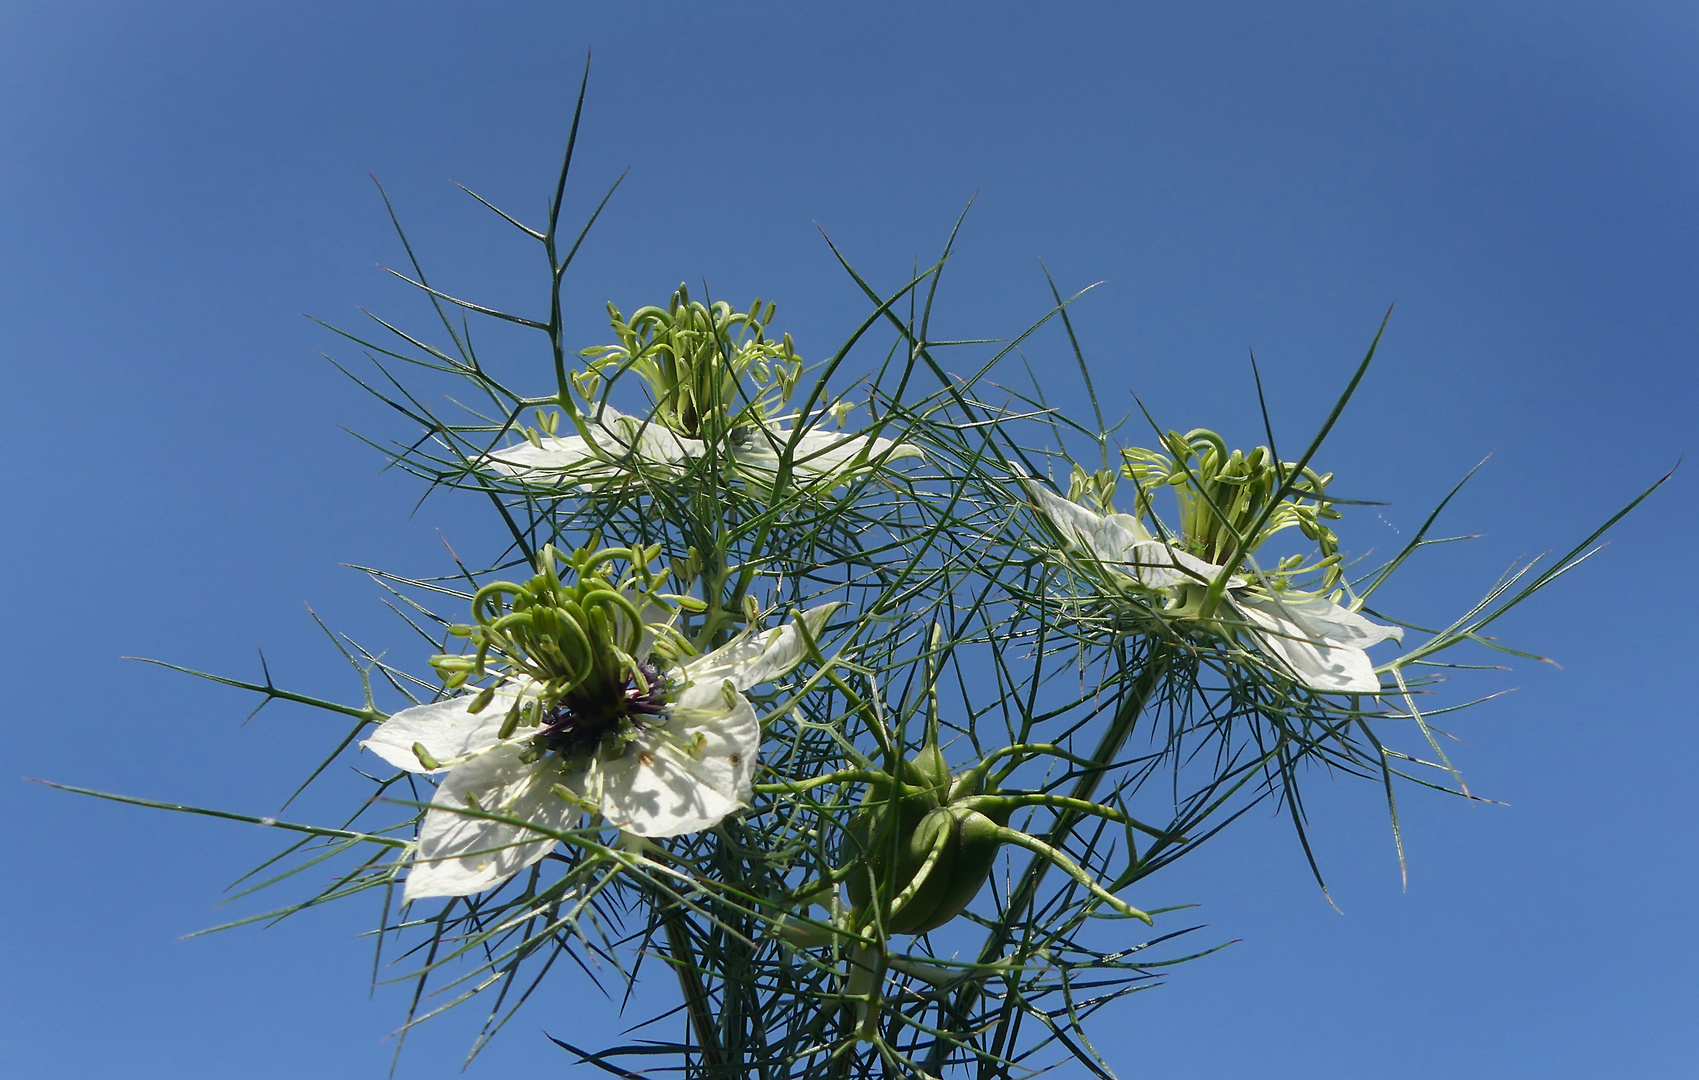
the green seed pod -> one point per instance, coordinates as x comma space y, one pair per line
928, 769
955, 847
975, 853
944, 853
887, 818
925, 863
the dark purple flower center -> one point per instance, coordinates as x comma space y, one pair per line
576, 724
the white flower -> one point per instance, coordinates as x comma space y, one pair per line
609, 440
615, 438
1311, 638
684, 761
818, 453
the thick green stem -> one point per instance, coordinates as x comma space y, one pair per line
1144, 687
683, 960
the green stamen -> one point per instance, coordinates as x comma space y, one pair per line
1227, 500
583, 643
695, 359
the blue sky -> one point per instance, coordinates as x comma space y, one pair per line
180, 182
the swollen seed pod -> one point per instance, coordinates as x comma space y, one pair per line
888, 817
928, 769
972, 840
943, 850
925, 862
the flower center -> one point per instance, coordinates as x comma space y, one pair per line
579, 723
1231, 501
696, 359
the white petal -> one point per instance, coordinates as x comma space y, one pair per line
1158, 566
446, 729
666, 784
606, 420
658, 443
1121, 542
460, 855
1318, 660
1324, 618
529, 461
880, 445
616, 433
751, 659
609, 436
1130, 523
1109, 540
819, 453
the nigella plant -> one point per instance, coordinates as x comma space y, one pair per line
840, 685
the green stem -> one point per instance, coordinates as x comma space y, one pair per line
1018, 750
1071, 868
875, 726
842, 776
1016, 800
683, 960
1108, 750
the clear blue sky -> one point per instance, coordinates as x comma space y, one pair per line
179, 182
